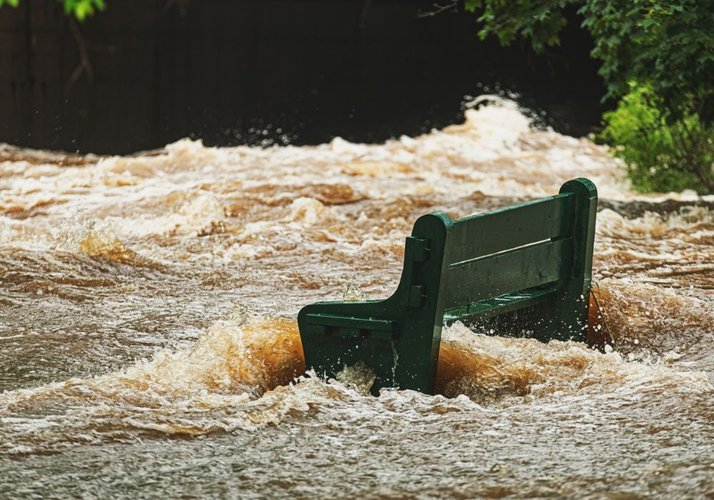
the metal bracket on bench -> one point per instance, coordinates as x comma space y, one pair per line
417, 296
418, 247
416, 251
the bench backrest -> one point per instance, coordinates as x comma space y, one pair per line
525, 269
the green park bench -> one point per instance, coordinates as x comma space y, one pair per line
518, 271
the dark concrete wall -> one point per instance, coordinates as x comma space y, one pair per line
237, 71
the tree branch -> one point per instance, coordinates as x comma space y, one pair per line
440, 9
85, 65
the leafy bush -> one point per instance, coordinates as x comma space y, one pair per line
81, 9
664, 132
661, 155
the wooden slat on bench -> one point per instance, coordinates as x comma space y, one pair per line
499, 305
481, 278
484, 234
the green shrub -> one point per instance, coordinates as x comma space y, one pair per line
81, 9
661, 155
662, 129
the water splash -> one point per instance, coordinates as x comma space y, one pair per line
132, 291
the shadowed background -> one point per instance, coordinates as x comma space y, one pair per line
144, 73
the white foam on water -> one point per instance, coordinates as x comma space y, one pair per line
117, 258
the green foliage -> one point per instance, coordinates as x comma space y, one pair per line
81, 9
665, 46
538, 21
661, 155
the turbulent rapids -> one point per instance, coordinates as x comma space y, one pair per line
148, 343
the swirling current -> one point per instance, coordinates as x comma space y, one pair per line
148, 343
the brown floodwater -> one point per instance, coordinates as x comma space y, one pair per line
148, 344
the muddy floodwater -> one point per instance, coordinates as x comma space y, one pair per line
148, 343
